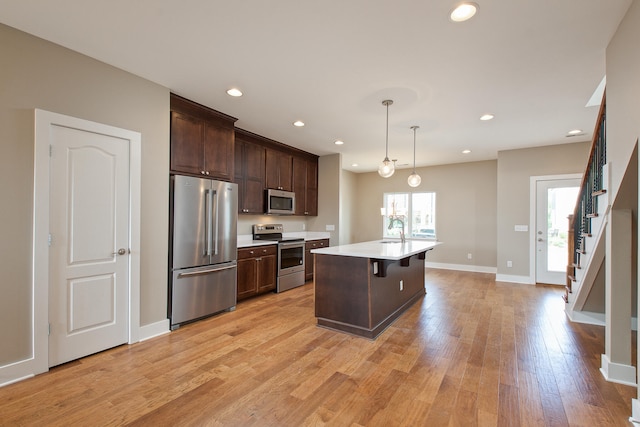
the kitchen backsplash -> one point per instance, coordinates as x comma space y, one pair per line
291, 224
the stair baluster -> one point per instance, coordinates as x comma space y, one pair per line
587, 203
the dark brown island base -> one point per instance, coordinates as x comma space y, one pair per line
362, 288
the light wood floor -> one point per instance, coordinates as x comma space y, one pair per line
472, 352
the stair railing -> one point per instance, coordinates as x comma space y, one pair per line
587, 203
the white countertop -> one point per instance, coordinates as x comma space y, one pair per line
246, 240
391, 250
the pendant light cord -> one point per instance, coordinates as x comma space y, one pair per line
414, 147
386, 103
386, 142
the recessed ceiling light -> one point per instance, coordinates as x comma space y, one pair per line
338, 142
574, 132
463, 12
466, 151
298, 123
486, 117
355, 165
234, 92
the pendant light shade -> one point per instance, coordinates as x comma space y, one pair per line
386, 168
414, 179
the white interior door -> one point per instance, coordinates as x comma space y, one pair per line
89, 243
555, 201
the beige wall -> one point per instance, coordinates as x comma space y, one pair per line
515, 167
623, 94
39, 74
465, 209
329, 172
348, 191
623, 121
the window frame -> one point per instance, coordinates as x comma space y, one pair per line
409, 214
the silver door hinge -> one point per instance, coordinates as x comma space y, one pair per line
49, 329
49, 239
50, 150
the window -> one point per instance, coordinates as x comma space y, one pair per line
415, 211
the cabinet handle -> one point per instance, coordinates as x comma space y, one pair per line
251, 252
258, 259
202, 172
207, 173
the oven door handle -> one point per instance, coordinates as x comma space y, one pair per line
291, 245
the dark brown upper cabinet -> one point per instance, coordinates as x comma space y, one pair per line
249, 175
202, 140
264, 163
305, 185
279, 170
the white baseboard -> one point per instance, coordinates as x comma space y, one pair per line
586, 317
617, 372
525, 280
8, 379
154, 329
461, 267
635, 412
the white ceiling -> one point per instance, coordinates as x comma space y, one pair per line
534, 64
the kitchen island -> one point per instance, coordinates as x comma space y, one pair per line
362, 288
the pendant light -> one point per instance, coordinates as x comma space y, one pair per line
386, 168
414, 179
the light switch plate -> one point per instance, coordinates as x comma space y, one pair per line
330, 228
521, 227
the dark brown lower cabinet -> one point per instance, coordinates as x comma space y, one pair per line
256, 270
308, 256
363, 296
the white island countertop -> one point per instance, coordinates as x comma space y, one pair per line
380, 249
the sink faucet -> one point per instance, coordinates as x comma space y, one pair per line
397, 218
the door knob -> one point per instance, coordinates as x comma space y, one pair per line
540, 240
121, 251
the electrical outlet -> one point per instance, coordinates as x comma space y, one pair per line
401, 285
330, 227
304, 226
469, 256
509, 264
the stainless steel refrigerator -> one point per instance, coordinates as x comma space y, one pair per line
203, 248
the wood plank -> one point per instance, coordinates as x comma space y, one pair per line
471, 352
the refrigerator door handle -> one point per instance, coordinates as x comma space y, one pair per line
211, 270
216, 226
208, 221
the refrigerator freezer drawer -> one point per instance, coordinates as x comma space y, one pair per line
201, 291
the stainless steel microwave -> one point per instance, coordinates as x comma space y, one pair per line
279, 202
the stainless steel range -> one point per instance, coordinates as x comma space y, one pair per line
290, 255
